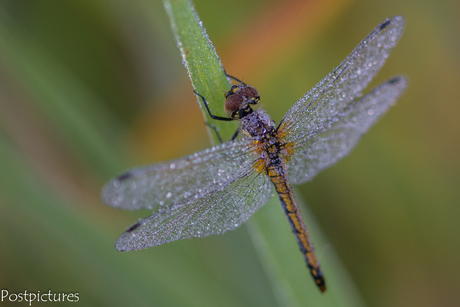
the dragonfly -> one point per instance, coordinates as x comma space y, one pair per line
217, 189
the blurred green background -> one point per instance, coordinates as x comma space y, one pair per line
89, 88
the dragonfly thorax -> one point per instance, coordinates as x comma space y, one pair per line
257, 124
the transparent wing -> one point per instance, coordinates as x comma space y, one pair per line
222, 210
326, 102
328, 146
164, 185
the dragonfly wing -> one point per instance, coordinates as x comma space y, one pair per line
219, 211
164, 185
325, 102
328, 146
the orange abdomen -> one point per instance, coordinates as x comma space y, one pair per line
278, 176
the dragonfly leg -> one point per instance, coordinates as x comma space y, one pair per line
235, 134
216, 130
215, 117
209, 111
233, 78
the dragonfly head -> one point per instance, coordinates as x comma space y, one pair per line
239, 99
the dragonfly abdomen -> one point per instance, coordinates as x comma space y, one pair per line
277, 174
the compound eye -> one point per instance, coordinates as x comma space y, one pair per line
233, 104
251, 94
232, 90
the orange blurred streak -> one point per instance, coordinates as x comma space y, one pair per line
252, 47
271, 34
165, 129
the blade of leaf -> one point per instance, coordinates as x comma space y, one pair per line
201, 61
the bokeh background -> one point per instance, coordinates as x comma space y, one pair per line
89, 88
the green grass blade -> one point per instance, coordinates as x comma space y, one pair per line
201, 61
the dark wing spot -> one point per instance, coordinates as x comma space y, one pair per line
124, 176
384, 24
394, 80
134, 227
